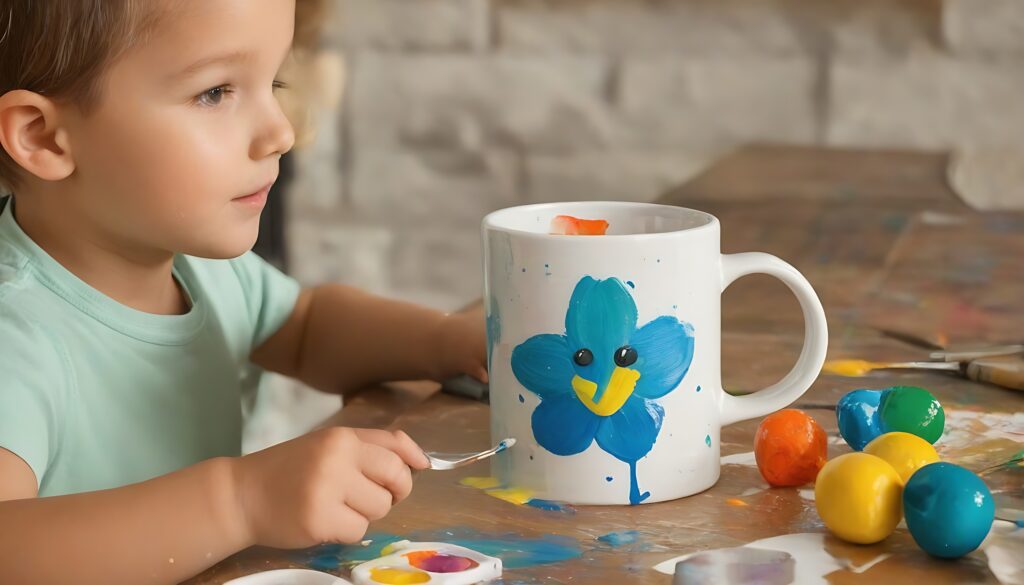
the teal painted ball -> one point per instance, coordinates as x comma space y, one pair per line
948, 509
909, 409
857, 417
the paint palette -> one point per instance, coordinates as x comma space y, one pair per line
427, 562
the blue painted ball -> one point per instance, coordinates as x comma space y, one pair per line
949, 510
857, 416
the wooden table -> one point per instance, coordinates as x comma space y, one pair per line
886, 244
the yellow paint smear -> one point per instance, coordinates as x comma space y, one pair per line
494, 488
736, 502
851, 368
481, 483
517, 496
391, 576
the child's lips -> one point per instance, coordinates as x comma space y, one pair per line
257, 199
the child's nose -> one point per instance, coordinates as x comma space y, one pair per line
275, 135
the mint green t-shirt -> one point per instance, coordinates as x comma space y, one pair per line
94, 394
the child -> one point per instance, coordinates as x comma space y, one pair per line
140, 139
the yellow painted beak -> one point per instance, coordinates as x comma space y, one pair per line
620, 387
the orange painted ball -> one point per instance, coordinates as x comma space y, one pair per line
790, 448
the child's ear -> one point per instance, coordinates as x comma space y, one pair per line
31, 133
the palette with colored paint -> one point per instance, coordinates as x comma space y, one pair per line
437, 563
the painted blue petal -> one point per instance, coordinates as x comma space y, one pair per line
563, 425
601, 317
664, 350
630, 433
543, 364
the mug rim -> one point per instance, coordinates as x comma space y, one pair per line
490, 220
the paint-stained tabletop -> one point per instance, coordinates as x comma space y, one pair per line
887, 245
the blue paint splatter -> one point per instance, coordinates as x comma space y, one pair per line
515, 551
609, 479
675, 306
631, 284
698, 388
551, 506
620, 538
521, 399
707, 440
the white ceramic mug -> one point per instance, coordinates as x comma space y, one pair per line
605, 351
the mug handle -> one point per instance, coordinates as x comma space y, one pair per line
812, 356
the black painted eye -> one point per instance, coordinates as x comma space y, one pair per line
583, 357
625, 356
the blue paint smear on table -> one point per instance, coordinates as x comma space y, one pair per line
515, 551
551, 506
620, 538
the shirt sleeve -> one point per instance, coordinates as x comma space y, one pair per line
269, 293
33, 392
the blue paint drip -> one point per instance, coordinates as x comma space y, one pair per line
631, 284
609, 479
635, 497
521, 399
515, 551
620, 538
698, 388
707, 440
493, 324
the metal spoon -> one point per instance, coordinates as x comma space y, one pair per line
446, 461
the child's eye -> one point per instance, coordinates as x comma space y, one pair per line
213, 96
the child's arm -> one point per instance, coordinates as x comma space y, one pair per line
322, 487
339, 338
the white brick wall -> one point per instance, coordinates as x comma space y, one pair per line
413, 24
994, 28
454, 108
927, 101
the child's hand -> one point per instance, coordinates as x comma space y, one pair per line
326, 486
463, 344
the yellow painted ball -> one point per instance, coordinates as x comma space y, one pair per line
859, 497
905, 452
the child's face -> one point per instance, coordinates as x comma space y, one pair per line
187, 127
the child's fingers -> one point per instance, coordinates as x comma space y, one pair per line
345, 525
369, 499
399, 443
386, 469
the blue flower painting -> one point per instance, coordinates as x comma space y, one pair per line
599, 381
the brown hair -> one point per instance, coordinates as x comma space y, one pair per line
60, 49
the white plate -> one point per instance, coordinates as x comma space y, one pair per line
289, 577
